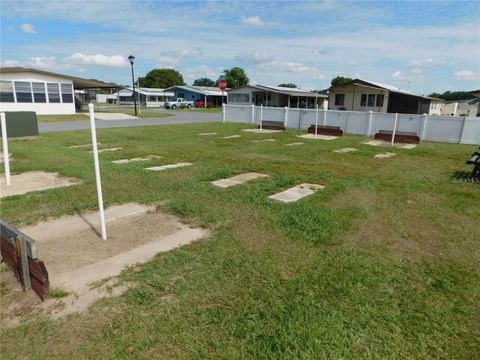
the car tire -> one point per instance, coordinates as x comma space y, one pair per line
174, 106
189, 106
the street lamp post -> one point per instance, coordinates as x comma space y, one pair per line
131, 58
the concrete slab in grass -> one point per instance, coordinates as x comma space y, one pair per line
318, 137
389, 144
262, 131
169, 166
385, 155
264, 140
34, 181
81, 146
144, 158
295, 144
207, 134
297, 192
237, 180
345, 150
108, 150
231, 137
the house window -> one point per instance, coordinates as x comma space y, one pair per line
340, 99
239, 97
371, 100
6, 91
67, 96
39, 95
23, 91
380, 100
363, 100
53, 93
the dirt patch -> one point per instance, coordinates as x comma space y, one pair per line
34, 181
318, 137
389, 144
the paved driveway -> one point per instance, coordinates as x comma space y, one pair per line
178, 118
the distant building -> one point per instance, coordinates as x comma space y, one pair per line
150, 97
469, 107
26, 89
276, 96
361, 95
209, 94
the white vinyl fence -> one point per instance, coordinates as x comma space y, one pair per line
463, 130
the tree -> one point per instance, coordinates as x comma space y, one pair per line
340, 80
204, 82
289, 85
453, 95
161, 78
235, 77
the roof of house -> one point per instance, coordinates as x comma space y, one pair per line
78, 83
203, 90
390, 88
286, 91
127, 91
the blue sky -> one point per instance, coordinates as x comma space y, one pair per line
423, 46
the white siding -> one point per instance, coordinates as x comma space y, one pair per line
353, 97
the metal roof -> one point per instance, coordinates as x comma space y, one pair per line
203, 90
145, 91
285, 91
78, 83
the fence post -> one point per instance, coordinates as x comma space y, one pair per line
325, 117
261, 117
394, 128
286, 117
6, 158
223, 112
370, 118
253, 114
424, 126
316, 120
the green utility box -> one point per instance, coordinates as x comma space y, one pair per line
21, 123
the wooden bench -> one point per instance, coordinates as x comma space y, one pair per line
19, 252
400, 136
272, 125
325, 130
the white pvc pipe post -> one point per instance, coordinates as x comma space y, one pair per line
370, 117
261, 117
97, 171
223, 111
325, 117
6, 159
394, 128
316, 120
286, 117
253, 114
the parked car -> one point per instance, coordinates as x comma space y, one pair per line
178, 103
201, 104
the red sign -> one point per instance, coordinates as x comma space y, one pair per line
222, 84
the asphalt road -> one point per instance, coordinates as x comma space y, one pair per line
178, 118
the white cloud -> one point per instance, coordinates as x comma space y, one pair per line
294, 67
252, 20
407, 75
255, 58
467, 75
28, 28
47, 62
97, 59
422, 62
192, 73
10, 63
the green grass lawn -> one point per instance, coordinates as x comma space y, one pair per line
383, 263
61, 118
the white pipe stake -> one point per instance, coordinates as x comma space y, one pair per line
316, 120
223, 111
253, 114
370, 117
261, 117
97, 171
394, 128
6, 159
286, 117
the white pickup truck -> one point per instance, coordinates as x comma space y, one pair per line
178, 103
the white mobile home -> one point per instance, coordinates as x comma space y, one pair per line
150, 97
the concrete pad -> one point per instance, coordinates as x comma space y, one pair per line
76, 256
297, 192
113, 116
34, 181
144, 158
389, 144
10, 157
264, 140
345, 150
264, 131
295, 144
385, 155
231, 137
108, 149
239, 179
317, 137
81, 146
207, 134
169, 166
